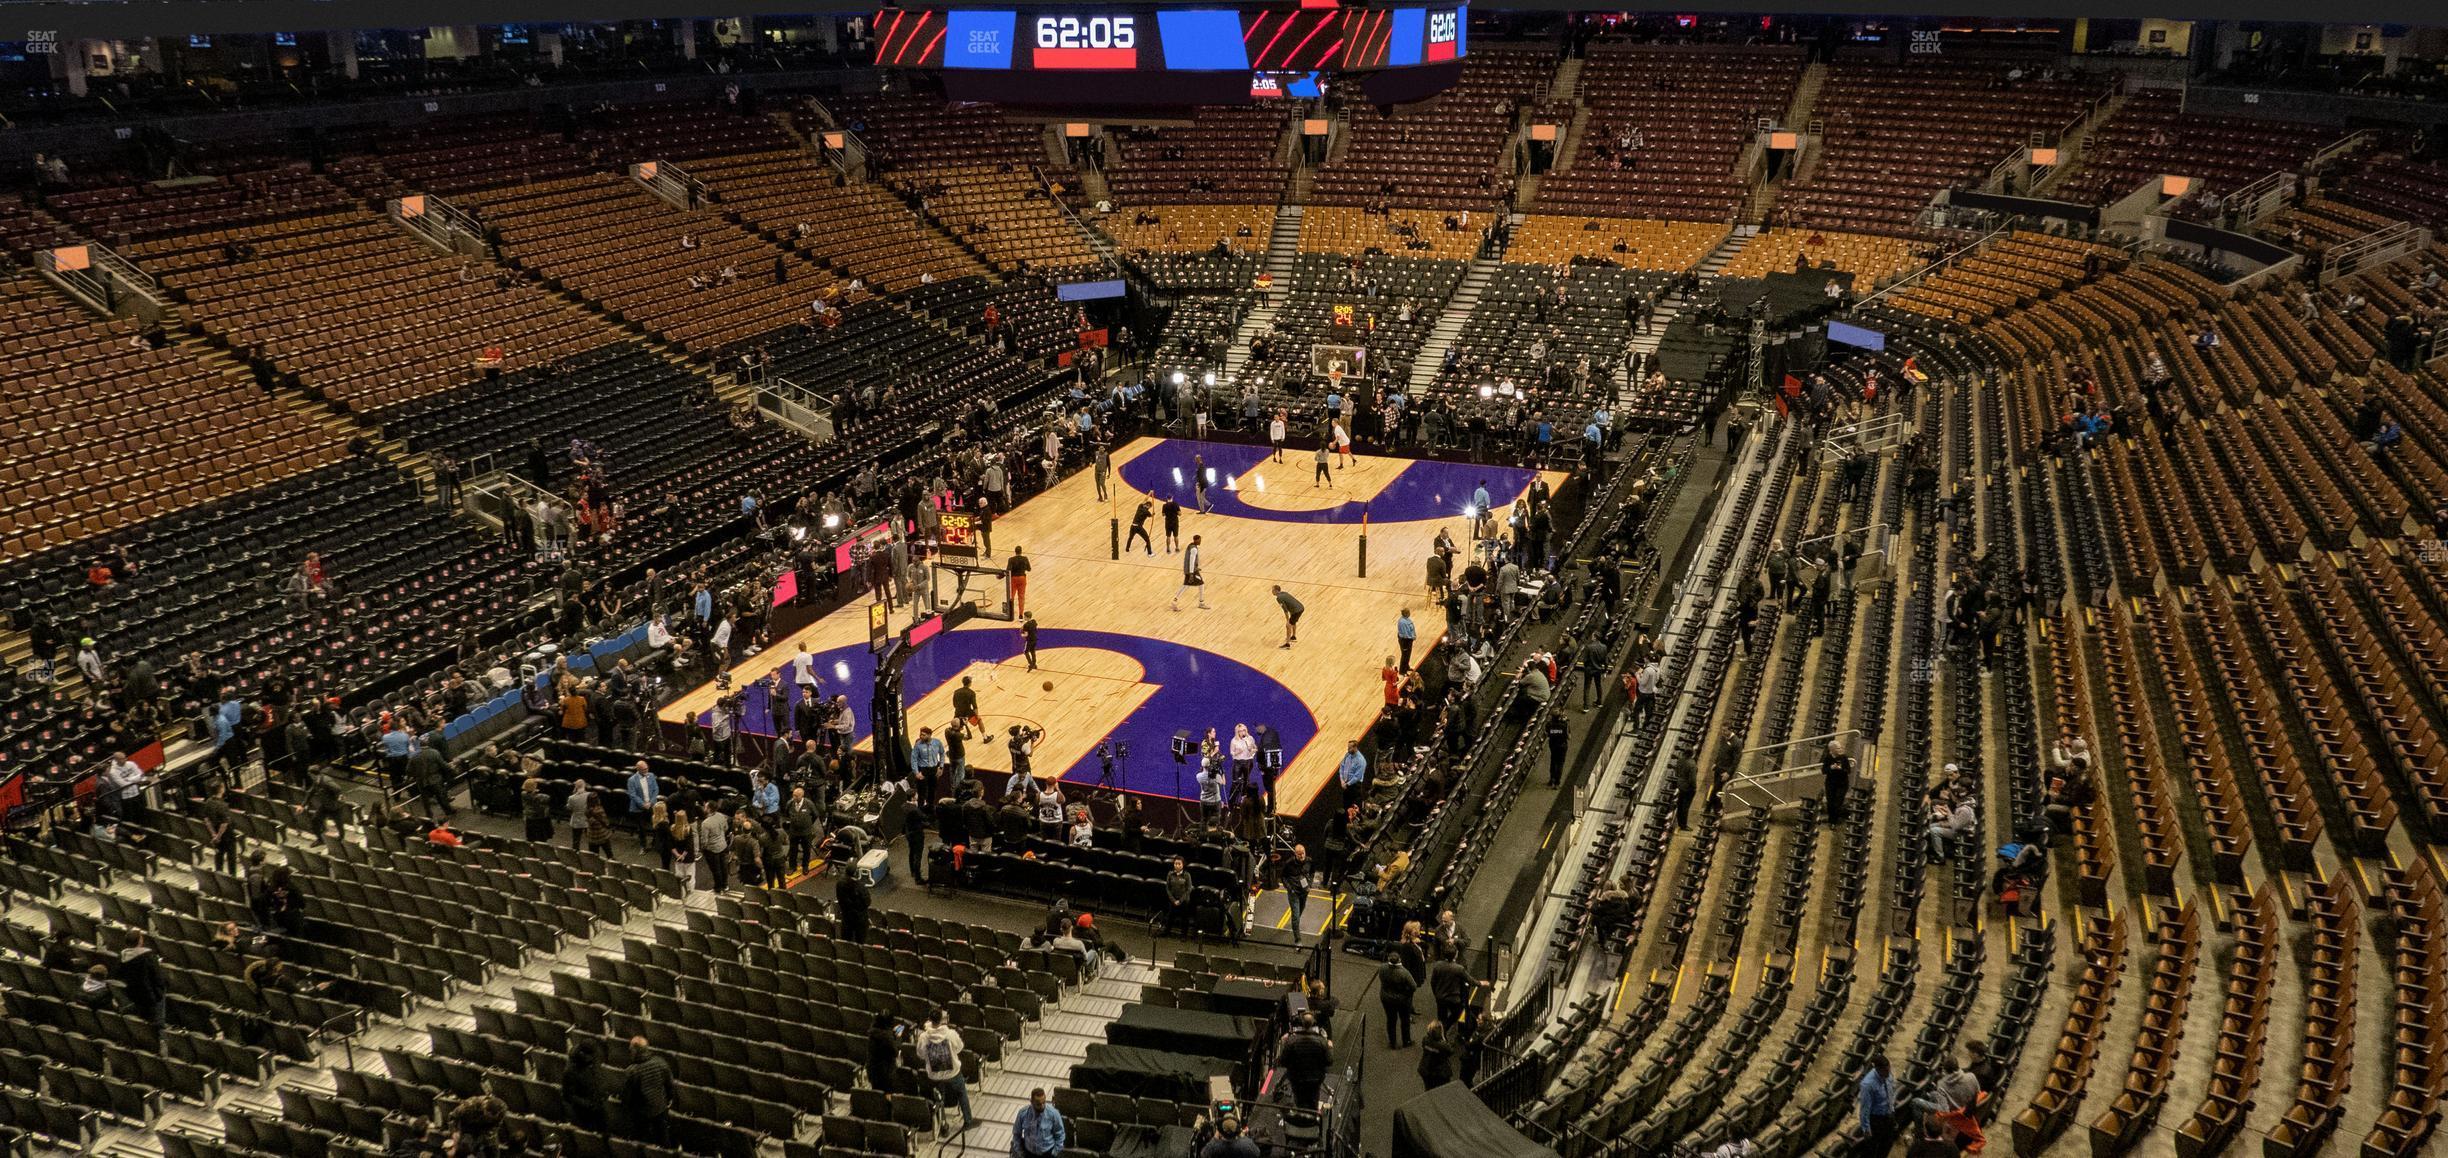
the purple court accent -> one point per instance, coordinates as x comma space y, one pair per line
1425, 490
1195, 689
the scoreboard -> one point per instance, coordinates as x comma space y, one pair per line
1287, 39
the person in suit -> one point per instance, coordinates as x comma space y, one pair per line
799, 819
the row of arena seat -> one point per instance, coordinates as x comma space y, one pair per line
1665, 126
2225, 153
1895, 134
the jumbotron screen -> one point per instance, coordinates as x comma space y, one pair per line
1306, 38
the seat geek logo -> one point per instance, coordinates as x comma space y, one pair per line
979, 39
42, 42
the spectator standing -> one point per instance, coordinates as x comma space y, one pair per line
1874, 1105
575, 806
714, 840
1039, 1130
1437, 1049
1396, 989
646, 1093
939, 1049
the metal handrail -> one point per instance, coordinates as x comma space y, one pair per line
793, 405
2259, 199
1087, 236
1937, 265
2378, 247
2354, 140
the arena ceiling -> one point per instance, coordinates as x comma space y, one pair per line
53, 20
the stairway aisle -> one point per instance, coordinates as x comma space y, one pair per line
2070, 146
1457, 313
1676, 303
1283, 244
1043, 1058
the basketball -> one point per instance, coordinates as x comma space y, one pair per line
1049, 685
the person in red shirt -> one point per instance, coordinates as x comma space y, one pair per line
1392, 680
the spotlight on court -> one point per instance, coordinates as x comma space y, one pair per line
1179, 378
1210, 378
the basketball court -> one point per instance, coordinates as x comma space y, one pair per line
1116, 662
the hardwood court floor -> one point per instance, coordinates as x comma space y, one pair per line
1123, 663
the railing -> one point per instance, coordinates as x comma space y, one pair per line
436, 220
1940, 265
794, 406
1088, 237
672, 183
2358, 139
105, 277
2376, 248
2278, 272
1995, 182
490, 497
852, 157
2253, 202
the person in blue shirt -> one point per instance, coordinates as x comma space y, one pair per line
703, 603
927, 757
1039, 1131
1479, 510
225, 722
398, 745
1874, 1102
1405, 634
765, 794
2387, 437
1354, 768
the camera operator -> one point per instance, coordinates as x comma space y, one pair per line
1022, 743
1229, 1142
